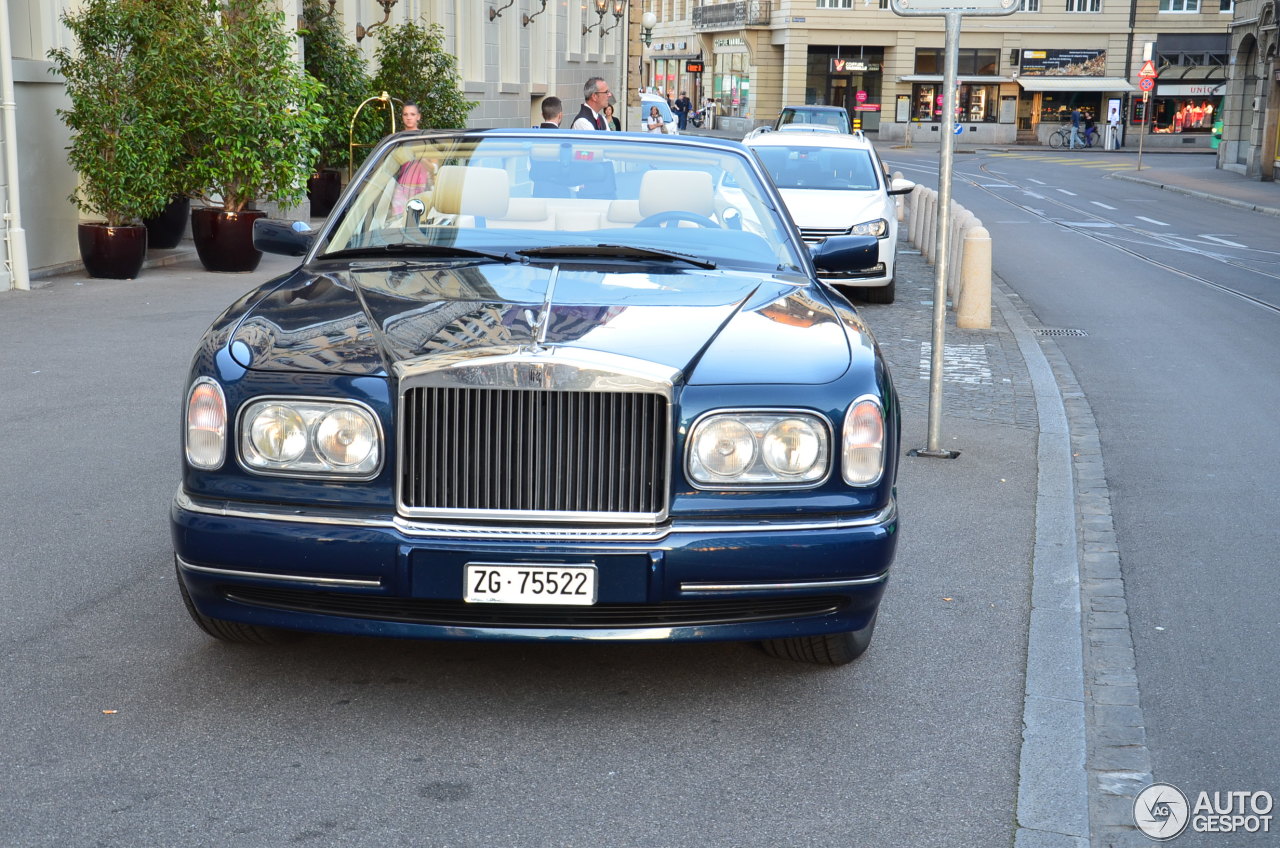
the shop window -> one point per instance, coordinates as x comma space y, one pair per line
1184, 115
972, 61
1180, 5
1090, 5
974, 103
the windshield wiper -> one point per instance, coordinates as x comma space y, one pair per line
412, 249
623, 251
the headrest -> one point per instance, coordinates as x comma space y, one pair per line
462, 190
667, 191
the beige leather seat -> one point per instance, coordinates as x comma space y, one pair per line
677, 191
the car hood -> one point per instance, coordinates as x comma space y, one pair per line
714, 327
826, 209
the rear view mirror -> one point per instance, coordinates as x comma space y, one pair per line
287, 238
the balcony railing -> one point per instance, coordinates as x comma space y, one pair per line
732, 15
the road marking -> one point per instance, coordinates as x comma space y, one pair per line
1070, 193
1037, 182
1223, 241
1103, 205
1097, 225
1033, 194
1152, 221
994, 185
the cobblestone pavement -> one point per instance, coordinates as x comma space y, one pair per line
984, 375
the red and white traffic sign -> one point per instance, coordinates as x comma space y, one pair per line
1146, 83
1148, 70
861, 96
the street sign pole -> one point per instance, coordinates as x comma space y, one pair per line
1146, 82
951, 11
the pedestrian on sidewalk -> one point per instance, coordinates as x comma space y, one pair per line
683, 107
1090, 129
1075, 129
552, 113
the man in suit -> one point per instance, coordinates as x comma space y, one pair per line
595, 95
552, 113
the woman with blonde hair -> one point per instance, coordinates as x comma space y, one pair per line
654, 123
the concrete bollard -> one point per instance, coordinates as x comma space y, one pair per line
930, 241
973, 310
913, 225
899, 201
963, 220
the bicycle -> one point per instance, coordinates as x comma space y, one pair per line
1062, 138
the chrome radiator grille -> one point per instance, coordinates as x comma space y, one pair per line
516, 452
812, 235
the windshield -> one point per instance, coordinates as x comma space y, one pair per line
825, 168
839, 119
558, 196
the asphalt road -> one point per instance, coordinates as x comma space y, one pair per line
123, 725
1180, 298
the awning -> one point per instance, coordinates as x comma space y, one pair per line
962, 79
1193, 73
1039, 83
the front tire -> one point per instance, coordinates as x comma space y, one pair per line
826, 649
880, 294
1055, 140
233, 631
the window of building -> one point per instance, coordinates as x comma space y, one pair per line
1226, 7
1180, 5
1085, 5
972, 61
1029, 6
835, 4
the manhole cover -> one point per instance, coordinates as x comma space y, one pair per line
1059, 331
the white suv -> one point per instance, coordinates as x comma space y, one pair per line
835, 185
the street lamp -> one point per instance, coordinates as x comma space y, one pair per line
647, 22
619, 8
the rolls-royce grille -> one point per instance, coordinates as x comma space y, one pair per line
543, 451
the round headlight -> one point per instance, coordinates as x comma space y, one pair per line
345, 437
278, 434
791, 447
725, 447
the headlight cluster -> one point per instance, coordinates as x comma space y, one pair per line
292, 436
878, 228
758, 449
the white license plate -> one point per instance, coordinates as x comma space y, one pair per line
496, 583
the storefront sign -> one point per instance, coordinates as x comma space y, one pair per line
853, 66
867, 107
1202, 89
903, 112
1064, 63
693, 67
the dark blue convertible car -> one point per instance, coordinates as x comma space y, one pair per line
537, 385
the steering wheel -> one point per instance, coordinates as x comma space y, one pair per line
658, 219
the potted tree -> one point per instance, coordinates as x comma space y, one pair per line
250, 116
339, 67
413, 64
121, 148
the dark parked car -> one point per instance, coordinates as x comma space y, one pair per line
544, 386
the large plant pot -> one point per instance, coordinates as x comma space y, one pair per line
165, 230
224, 240
322, 190
114, 253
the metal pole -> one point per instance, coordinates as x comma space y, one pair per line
943, 253
1142, 127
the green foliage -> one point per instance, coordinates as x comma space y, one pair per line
414, 65
121, 148
251, 116
338, 65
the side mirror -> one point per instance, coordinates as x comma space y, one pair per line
845, 254
901, 187
287, 238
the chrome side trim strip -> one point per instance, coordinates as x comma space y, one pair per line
184, 502
286, 578
699, 588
